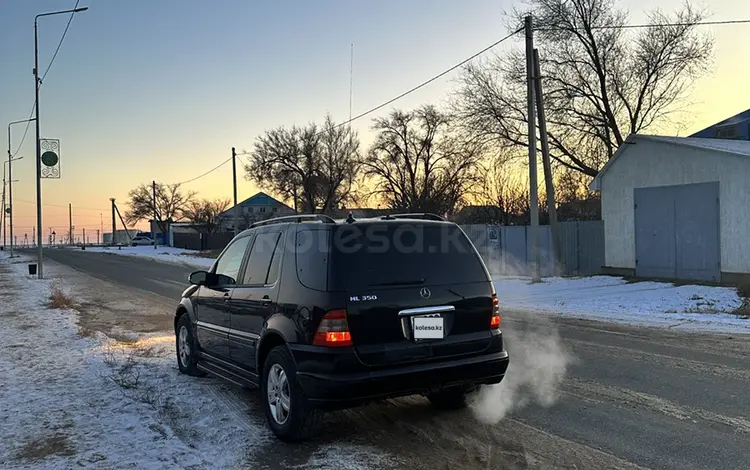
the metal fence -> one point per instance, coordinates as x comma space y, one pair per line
202, 241
507, 249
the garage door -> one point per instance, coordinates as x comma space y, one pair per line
677, 232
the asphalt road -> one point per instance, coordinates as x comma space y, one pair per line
654, 398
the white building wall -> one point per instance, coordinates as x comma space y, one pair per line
648, 164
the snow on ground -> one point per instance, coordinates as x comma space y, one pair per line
662, 304
69, 401
165, 254
73, 401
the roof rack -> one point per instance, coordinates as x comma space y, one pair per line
419, 215
295, 218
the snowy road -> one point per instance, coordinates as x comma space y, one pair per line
658, 398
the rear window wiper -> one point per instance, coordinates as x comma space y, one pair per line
401, 282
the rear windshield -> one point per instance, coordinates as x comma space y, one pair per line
384, 254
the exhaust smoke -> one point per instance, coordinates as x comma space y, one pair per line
538, 364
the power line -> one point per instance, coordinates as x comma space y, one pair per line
206, 173
496, 43
382, 105
651, 25
25, 131
61, 206
59, 44
54, 56
426, 82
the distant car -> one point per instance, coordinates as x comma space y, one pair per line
141, 240
324, 314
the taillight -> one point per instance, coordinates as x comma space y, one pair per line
495, 320
333, 330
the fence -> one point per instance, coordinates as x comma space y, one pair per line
202, 241
507, 249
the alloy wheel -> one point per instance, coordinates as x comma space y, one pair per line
279, 401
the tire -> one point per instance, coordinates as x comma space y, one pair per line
449, 399
188, 364
279, 386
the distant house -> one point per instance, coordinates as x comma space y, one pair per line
258, 207
736, 127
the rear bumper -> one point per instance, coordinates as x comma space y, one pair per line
331, 391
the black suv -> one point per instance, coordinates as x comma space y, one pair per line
324, 314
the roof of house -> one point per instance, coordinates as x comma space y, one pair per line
733, 147
259, 199
739, 117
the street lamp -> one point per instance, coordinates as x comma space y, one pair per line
10, 183
9, 209
40, 272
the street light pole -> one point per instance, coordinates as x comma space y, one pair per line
10, 181
234, 185
2, 214
39, 251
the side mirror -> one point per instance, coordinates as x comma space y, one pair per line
198, 278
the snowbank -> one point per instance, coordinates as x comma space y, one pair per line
608, 298
165, 254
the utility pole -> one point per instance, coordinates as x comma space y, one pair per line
101, 223
114, 227
83, 242
156, 216
70, 224
234, 184
549, 183
97, 237
33, 233
533, 185
2, 213
39, 252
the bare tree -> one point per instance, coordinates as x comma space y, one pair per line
205, 213
504, 193
575, 200
571, 185
171, 203
315, 167
602, 82
419, 164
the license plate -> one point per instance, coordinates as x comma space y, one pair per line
428, 327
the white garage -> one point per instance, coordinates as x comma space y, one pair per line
677, 208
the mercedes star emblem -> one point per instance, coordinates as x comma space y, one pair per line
425, 293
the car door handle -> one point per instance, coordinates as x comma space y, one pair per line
265, 300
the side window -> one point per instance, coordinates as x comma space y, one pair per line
228, 265
273, 271
312, 253
259, 262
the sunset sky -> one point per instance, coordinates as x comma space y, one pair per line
145, 90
